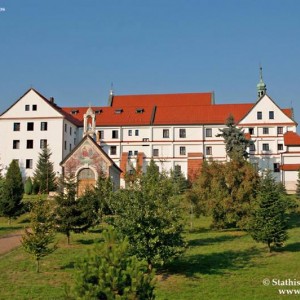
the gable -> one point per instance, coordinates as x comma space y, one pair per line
266, 107
37, 107
87, 154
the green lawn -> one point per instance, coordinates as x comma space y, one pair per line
217, 265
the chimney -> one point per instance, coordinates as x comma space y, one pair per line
51, 100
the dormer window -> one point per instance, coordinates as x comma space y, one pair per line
99, 111
139, 110
118, 111
75, 112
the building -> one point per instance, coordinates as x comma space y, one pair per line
176, 130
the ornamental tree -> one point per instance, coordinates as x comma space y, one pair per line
151, 218
109, 272
44, 174
235, 141
269, 222
12, 192
39, 237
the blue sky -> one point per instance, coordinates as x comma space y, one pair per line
73, 50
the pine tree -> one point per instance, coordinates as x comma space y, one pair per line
40, 235
12, 192
180, 183
269, 223
72, 214
235, 141
151, 218
110, 273
44, 173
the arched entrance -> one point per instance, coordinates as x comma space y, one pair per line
85, 179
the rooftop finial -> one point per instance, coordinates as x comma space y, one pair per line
111, 92
261, 86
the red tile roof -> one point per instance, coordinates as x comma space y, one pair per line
290, 167
213, 114
288, 112
188, 99
291, 139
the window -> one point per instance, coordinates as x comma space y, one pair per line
182, 150
17, 126
16, 144
208, 132
65, 145
115, 134
139, 110
265, 130
27, 107
34, 107
265, 147
136, 152
129, 153
208, 150
30, 126
113, 150
29, 144
66, 127
177, 168
118, 111
43, 144
165, 133
136, 133
70, 147
101, 134
252, 147
28, 163
182, 133
155, 152
44, 126
251, 130
74, 141
70, 130
271, 115
279, 147
259, 115
279, 130
129, 132
276, 167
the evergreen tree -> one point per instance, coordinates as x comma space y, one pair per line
235, 141
28, 186
12, 192
110, 273
44, 173
72, 214
269, 223
38, 238
151, 218
180, 183
298, 186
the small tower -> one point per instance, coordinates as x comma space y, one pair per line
261, 86
89, 125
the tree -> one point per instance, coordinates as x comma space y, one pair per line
28, 186
151, 218
180, 183
44, 173
40, 235
298, 185
110, 273
72, 214
269, 222
12, 192
235, 141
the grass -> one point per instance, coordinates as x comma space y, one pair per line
217, 265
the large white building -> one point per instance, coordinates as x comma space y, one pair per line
173, 129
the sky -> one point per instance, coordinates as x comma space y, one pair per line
74, 50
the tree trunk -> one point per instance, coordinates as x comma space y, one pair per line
68, 237
38, 266
149, 266
269, 245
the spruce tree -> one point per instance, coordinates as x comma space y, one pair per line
40, 235
12, 192
180, 183
298, 186
269, 222
28, 186
44, 173
110, 273
72, 214
235, 141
